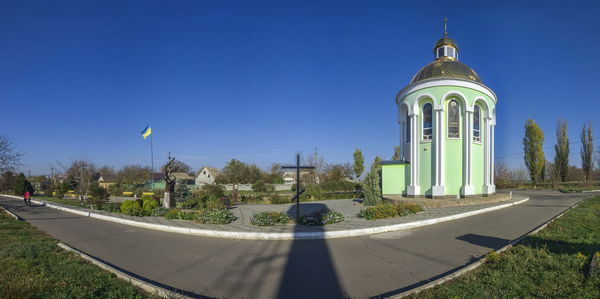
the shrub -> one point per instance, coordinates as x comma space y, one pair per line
213, 204
372, 185
172, 214
190, 216
213, 190
114, 207
148, 205
97, 196
159, 211
132, 208
312, 192
276, 200
321, 217
408, 209
215, 216
388, 210
194, 203
269, 218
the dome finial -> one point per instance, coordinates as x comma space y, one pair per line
445, 29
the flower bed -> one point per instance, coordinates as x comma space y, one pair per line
388, 210
269, 218
205, 216
321, 217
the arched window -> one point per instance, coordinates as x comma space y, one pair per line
427, 122
453, 119
476, 123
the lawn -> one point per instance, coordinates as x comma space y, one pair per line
64, 201
552, 263
33, 266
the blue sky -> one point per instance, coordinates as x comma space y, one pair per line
260, 80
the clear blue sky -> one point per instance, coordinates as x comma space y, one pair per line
258, 81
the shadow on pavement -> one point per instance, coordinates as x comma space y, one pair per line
309, 271
484, 241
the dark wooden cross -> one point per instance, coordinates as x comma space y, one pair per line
297, 167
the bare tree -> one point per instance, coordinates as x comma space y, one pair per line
502, 176
81, 173
10, 158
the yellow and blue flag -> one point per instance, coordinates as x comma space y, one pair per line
146, 132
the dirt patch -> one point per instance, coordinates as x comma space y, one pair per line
449, 202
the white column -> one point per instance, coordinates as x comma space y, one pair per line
467, 143
487, 168
401, 143
492, 153
438, 187
413, 188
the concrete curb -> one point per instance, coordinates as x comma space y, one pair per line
11, 214
148, 287
278, 236
481, 261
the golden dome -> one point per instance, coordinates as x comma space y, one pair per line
445, 41
446, 68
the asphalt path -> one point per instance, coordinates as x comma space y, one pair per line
372, 266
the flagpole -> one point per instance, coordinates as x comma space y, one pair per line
152, 161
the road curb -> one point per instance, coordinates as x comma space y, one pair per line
481, 261
11, 214
278, 236
148, 287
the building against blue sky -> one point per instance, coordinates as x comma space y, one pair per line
258, 81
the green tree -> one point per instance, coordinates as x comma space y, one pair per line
534, 154
97, 196
587, 151
396, 155
359, 163
22, 185
182, 192
372, 184
561, 149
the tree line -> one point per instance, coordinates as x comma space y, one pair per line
557, 171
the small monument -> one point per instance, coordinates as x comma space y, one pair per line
169, 199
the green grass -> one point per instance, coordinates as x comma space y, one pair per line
33, 266
550, 264
68, 202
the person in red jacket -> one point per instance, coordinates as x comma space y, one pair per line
27, 198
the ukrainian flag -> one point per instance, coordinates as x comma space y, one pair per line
146, 132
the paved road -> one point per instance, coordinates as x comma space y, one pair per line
377, 265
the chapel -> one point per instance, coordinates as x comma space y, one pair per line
447, 117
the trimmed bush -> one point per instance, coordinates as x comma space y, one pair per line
388, 210
269, 218
148, 205
321, 217
215, 216
132, 208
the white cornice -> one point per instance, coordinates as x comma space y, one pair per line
446, 82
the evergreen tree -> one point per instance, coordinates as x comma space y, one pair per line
22, 185
372, 184
561, 149
396, 155
359, 163
182, 192
532, 146
587, 151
